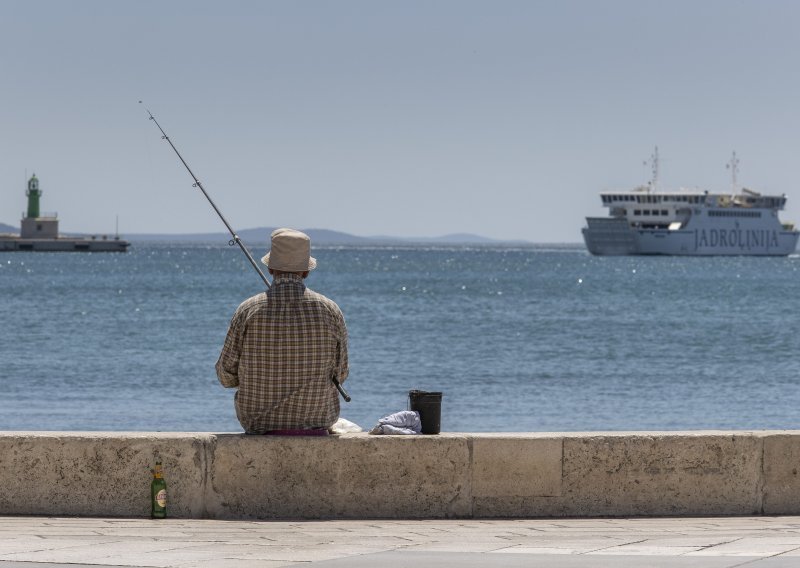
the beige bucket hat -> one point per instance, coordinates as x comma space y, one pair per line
290, 251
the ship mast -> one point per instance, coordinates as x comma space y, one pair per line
733, 166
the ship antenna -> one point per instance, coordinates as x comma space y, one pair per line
654, 160
733, 166
235, 240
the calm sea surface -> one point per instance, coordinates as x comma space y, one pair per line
518, 339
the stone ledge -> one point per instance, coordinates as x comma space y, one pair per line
232, 476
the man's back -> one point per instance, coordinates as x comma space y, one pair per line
282, 349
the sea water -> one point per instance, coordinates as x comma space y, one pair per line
535, 338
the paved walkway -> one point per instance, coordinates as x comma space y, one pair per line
760, 542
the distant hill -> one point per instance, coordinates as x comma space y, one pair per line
318, 237
8, 229
454, 238
259, 235
462, 238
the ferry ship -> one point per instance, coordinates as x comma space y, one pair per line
690, 222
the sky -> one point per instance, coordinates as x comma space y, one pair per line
412, 119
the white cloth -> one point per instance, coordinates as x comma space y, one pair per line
344, 426
403, 422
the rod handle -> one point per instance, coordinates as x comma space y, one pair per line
341, 390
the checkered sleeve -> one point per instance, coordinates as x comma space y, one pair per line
228, 363
342, 363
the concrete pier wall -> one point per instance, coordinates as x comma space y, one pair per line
232, 476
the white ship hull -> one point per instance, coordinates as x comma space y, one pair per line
703, 235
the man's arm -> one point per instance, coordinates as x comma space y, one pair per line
342, 367
228, 363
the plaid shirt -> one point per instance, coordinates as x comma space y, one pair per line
282, 348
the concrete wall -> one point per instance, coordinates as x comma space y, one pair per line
39, 228
232, 476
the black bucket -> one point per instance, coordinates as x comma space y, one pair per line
429, 406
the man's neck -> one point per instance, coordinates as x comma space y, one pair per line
277, 273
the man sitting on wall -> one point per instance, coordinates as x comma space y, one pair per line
284, 346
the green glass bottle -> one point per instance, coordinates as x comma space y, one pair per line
158, 493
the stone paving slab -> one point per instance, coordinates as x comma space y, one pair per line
760, 542
462, 560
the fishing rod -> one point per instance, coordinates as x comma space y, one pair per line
234, 237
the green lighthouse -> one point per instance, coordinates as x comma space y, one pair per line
35, 224
33, 194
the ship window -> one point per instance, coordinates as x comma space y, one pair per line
637, 211
664, 212
646, 212
755, 214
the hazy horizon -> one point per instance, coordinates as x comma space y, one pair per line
262, 234
410, 119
